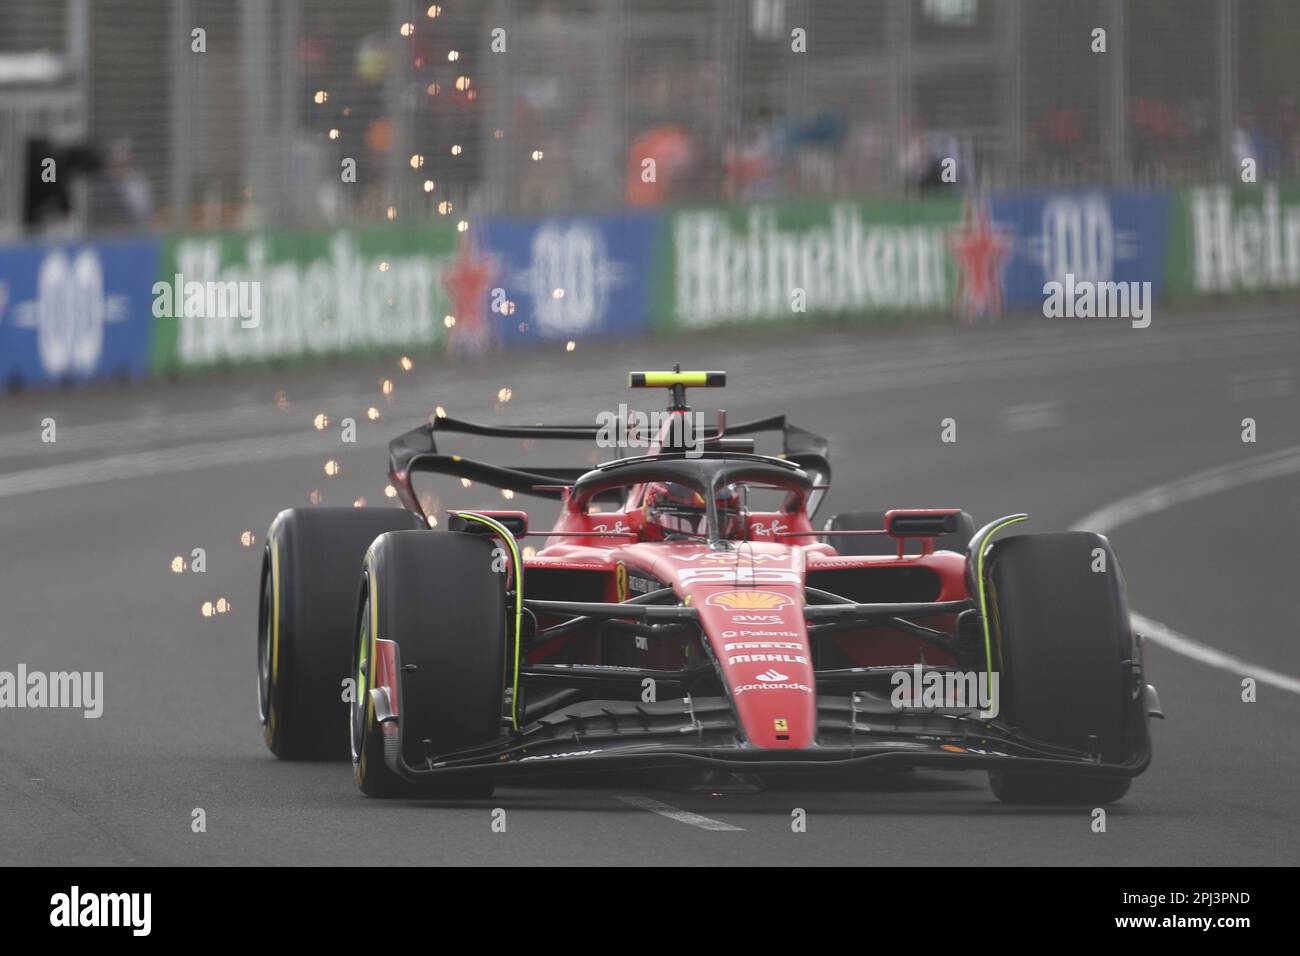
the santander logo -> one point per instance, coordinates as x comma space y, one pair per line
771, 675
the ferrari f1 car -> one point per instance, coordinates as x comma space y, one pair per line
671, 619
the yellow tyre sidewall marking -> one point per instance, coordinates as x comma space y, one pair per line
983, 601
367, 724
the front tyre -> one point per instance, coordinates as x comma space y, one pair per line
1065, 652
437, 596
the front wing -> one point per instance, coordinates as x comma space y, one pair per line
856, 731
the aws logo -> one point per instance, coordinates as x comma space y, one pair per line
749, 600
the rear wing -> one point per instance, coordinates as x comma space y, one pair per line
417, 451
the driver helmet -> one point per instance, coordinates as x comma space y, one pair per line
672, 510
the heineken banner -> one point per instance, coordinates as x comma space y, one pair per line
760, 263
94, 310
240, 298
1234, 241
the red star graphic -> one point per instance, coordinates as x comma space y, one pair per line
467, 279
981, 250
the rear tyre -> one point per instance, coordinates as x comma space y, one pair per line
1063, 646
438, 597
883, 544
305, 624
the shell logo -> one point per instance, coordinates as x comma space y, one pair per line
749, 600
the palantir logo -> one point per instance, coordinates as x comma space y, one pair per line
75, 909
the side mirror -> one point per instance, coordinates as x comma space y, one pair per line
516, 522
921, 524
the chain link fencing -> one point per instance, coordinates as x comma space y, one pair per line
211, 114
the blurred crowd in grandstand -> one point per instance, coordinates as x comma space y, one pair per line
561, 109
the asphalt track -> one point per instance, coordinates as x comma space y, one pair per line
1058, 420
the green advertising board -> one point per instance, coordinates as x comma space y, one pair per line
723, 265
316, 293
1232, 241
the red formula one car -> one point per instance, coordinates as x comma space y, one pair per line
669, 621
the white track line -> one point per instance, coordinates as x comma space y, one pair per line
147, 464
1157, 633
681, 816
1211, 481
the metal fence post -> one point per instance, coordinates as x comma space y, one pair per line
1116, 95
611, 97
1013, 109
290, 190
900, 30
182, 126
265, 203
1227, 83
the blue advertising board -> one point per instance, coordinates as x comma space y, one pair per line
1097, 235
566, 277
76, 311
